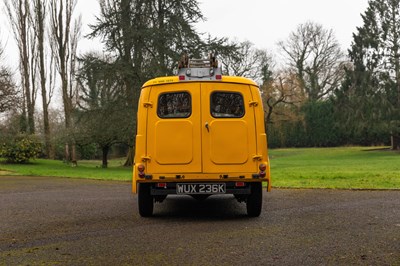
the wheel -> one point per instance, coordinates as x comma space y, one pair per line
145, 200
254, 200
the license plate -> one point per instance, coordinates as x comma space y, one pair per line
200, 188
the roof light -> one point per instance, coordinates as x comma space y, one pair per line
181, 77
218, 76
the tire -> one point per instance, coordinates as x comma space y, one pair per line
145, 200
254, 200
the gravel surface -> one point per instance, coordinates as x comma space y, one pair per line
79, 222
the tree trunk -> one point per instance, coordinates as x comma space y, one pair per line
129, 157
395, 141
105, 150
40, 11
66, 152
74, 161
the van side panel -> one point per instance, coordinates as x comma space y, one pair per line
262, 148
140, 146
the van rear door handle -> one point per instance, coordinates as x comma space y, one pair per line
208, 127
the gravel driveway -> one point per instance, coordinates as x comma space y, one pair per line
79, 222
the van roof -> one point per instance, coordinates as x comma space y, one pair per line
175, 79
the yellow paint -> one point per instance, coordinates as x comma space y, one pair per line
200, 147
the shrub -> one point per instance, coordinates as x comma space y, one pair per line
20, 149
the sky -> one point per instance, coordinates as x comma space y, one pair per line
262, 22
265, 22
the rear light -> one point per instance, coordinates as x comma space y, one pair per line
140, 169
182, 77
218, 76
262, 168
161, 185
240, 184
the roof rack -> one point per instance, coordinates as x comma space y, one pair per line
199, 69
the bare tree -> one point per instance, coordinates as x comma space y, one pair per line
64, 38
40, 8
282, 94
19, 15
314, 54
246, 61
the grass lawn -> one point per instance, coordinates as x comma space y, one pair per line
86, 169
349, 167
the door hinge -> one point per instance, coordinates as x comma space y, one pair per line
253, 103
146, 159
257, 157
148, 104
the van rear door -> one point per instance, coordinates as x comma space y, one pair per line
173, 129
228, 128
206, 127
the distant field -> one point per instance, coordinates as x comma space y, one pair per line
345, 168
350, 167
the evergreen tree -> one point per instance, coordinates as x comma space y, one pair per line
371, 92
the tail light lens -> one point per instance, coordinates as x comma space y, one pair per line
161, 185
263, 168
140, 169
240, 184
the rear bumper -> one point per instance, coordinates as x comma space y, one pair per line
170, 189
171, 184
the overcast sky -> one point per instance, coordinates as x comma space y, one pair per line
263, 22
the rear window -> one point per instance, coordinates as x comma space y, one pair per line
174, 105
227, 104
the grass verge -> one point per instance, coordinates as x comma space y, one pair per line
86, 169
344, 168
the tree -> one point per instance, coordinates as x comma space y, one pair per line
314, 54
101, 103
65, 34
147, 37
20, 17
282, 95
40, 8
9, 96
8, 92
372, 88
245, 61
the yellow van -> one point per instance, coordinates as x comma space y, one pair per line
200, 133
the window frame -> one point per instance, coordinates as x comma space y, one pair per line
227, 92
174, 117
